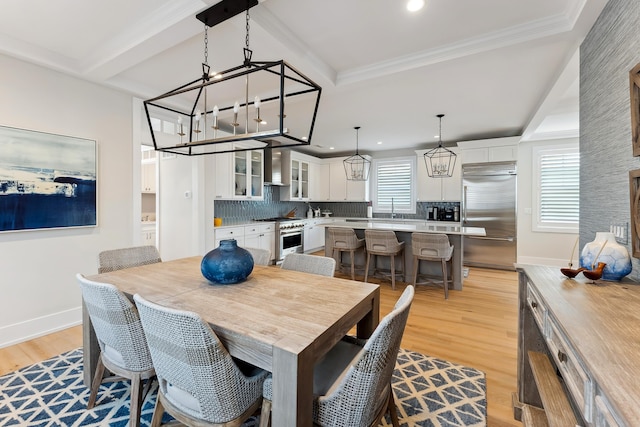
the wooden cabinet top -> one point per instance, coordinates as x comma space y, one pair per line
602, 322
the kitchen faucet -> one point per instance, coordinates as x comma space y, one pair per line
393, 214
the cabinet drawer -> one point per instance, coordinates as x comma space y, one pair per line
575, 377
258, 228
537, 307
229, 233
604, 414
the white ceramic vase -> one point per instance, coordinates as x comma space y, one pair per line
613, 254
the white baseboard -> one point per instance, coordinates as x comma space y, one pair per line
553, 262
34, 328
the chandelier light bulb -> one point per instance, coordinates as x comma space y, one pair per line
198, 114
236, 107
179, 120
216, 110
256, 102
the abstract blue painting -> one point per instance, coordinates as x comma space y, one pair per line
46, 180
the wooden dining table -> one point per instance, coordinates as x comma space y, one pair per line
280, 320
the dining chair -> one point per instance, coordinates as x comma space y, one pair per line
117, 259
260, 256
384, 243
432, 247
345, 240
352, 382
200, 384
313, 264
123, 346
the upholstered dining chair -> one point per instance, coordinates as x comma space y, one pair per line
313, 264
123, 346
352, 382
200, 384
117, 259
260, 256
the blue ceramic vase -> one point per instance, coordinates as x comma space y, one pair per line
227, 264
607, 250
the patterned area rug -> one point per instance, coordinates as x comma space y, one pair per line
428, 391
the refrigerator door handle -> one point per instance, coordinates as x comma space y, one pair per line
464, 204
502, 239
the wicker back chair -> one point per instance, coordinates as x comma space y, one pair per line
432, 247
344, 240
352, 383
260, 256
384, 243
200, 384
123, 347
117, 259
313, 264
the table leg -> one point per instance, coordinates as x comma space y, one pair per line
90, 348
292, 388
370, 321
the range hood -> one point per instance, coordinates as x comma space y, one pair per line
273, 166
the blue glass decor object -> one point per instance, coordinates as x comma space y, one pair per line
227, 264
607, 250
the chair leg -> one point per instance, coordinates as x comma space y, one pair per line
402, 267
366, 268
416, 264
393, 411
393, 272
353, 265
445, 279
95, 385
136, 401
158, 412
265, 414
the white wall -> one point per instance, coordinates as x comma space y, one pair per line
538, 247
37, 284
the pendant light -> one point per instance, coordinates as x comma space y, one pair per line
240, 109
440, 161
357, 167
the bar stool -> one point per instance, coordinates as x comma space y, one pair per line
432, 247
345, 240
384, 243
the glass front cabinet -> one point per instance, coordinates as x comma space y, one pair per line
248, 177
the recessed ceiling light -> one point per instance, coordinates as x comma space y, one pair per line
331, 148
415, 5
305, 138
379, 142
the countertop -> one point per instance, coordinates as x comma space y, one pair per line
413, 226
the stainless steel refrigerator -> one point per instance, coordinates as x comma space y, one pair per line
489, 201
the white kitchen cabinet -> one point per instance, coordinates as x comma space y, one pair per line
343, 190
239, 175
489, 150
148, 176
337, 182
430, 189
296, 176
319, 186
248, 174
261, 236
148, 236
313, 235
225, 233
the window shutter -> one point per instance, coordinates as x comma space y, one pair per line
394, 180
559, 187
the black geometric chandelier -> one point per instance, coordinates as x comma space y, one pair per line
440, 161
357, 167
255, 105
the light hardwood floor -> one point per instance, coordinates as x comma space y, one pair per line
476, 327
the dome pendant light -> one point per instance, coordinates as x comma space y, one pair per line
440, 161
357, 167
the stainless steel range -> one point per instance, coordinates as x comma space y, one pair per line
289, 236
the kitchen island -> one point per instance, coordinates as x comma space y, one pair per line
404, 231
